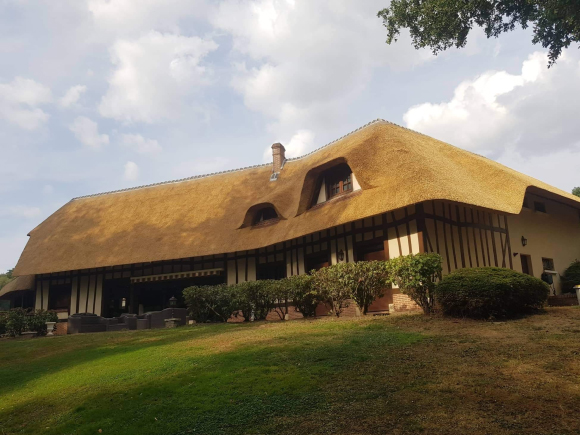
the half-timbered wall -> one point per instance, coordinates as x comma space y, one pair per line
466, 236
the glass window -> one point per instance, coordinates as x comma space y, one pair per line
548, 263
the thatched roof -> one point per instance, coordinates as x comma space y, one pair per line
204, 215
25, 282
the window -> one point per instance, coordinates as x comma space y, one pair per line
548, 263
265, 214
526, 264
271, 271
539, 206
59, 297
339, 180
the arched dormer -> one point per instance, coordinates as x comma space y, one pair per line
327, 182
261, 215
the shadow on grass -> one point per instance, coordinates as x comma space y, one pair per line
238, 390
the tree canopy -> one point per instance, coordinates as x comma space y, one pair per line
441, 24
576, 191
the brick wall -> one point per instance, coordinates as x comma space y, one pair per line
61, 328
404, 303
564, 300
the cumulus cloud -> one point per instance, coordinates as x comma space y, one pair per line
298, 145
72, 96
19, 100
138, 143
154, 74
87, 132
302, 64
131, 171
530, 113
20, 211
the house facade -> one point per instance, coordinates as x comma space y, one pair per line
379, 192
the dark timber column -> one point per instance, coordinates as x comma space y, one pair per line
132, 299
421, 227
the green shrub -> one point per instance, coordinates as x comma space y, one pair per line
571, 277
3, 320
16, 322
303, 295
330, 284
256, 298
490, 292
209, 303
416, 275
36, 321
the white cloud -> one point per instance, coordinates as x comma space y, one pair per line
154, 75
131, 171
533, 112
20, 211
138, 143
303, 64
72, 96
87, 132
297, 146
19, 100
134, 17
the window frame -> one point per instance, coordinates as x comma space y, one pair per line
338, 181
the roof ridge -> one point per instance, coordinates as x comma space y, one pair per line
227, 171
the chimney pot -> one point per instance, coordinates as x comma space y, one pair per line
278, 157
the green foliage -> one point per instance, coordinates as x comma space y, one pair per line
490, 292
441, 24
366, 281
36, 321
281, 292
4, 279
3, 320
303, 294
257, 298
332, 285
209, 303
576, 191
16, 322
416, 275
571, 277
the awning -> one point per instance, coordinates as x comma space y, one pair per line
181, 275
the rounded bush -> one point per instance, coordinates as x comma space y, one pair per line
571, 277
487, 292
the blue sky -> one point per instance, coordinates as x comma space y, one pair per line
99, 95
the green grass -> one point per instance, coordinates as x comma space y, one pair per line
405, 374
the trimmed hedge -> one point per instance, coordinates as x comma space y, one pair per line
489, 292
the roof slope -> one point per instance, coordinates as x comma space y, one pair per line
25, 282
202, 216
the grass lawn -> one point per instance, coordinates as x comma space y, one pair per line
397, 375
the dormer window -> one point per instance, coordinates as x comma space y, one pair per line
261, 215
336, 181
264, 215
339, 180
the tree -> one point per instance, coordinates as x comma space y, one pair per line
416, 276
441, 24
330, 283
571, 277
576, 191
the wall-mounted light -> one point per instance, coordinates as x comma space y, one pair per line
340, 255
524, 241
172, 302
